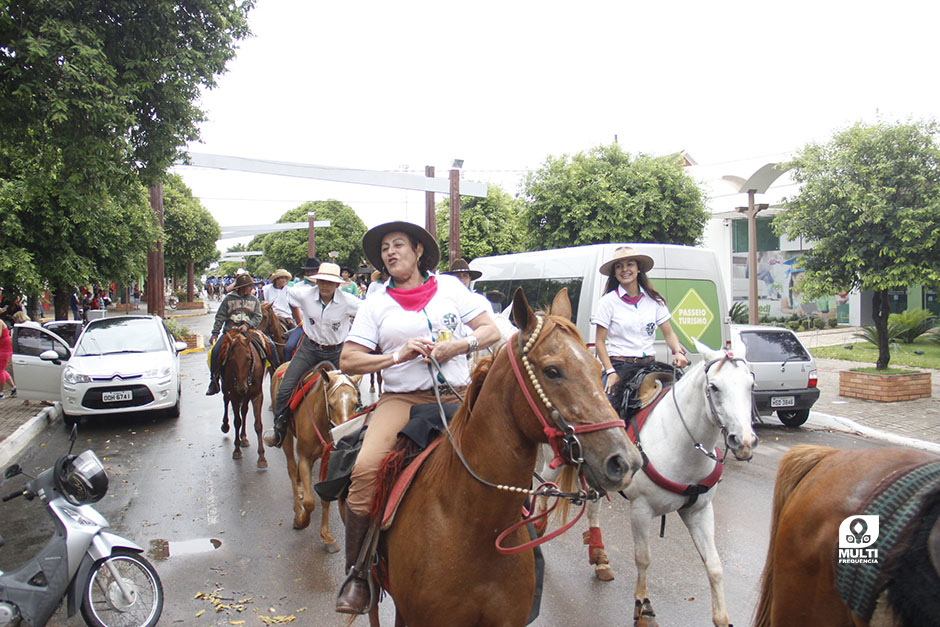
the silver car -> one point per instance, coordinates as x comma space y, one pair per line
785, 373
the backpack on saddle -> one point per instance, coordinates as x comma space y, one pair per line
639, 385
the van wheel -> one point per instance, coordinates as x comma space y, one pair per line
793, 417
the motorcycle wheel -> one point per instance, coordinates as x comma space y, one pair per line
103, 604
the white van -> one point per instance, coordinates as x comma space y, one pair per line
687, 277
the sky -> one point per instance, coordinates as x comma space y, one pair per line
505, 84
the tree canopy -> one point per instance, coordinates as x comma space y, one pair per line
869, 201
189, 228
606, 195
288, 249
488, 226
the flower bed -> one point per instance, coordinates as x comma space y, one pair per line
198, 304
885, 388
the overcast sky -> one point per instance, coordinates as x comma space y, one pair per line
503, 84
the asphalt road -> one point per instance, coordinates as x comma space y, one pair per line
216, 526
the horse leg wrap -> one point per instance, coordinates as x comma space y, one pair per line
592, 538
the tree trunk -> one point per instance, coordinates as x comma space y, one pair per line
879, 313
190, 291
60, 301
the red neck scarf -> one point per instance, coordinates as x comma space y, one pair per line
416, 298
631, 300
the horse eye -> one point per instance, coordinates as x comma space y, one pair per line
712, 387
552, 372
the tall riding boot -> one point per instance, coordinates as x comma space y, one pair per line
275, 437
213, 384
355, 596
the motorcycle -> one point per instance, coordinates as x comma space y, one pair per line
103, 574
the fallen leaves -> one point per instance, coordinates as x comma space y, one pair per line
229, 605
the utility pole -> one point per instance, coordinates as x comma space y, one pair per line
311, 244
454, 235
751, 212
430, 219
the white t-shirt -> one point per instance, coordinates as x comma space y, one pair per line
375, 286
631, 329
383, 324
278, 298
324, 324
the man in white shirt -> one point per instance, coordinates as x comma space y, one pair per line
460, 269
276, 293
325, 313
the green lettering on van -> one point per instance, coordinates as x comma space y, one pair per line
695, 313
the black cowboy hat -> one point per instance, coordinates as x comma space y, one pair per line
372, 242
459, 266
312, 264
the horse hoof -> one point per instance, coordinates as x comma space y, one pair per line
225, 427
646, 621
604, 572
262, 463
244, 443
331, 547
237, 454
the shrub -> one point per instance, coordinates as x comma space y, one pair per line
738, 312
871, 335
832, 323
819, 323
178, 331
912, 324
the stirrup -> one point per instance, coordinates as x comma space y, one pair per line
273, 438
350, 580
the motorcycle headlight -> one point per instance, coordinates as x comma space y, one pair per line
73, 376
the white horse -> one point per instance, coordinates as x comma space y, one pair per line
711, 402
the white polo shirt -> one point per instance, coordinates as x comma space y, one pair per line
278, 298
384, 325
324, 324
631, 329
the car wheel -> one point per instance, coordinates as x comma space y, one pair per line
793, 417
70, 420
174, 412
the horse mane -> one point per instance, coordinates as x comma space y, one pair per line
795, 465
912, 578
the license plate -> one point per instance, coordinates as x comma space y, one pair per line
114, 397
782, 401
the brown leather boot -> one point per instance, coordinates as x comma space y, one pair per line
355, 596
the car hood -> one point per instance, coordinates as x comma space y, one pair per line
123, 365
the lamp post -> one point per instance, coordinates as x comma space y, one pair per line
757, 183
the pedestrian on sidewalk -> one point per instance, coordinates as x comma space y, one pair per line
6, 351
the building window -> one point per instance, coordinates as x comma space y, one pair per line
766, 238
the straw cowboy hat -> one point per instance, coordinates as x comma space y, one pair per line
372, 242
280, 273
244, 280
459, 266
644, 262
328, 272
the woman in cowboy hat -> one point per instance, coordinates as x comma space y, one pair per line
323, 313
238, 310
275, 293
396, 331
628, 315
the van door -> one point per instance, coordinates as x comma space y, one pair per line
35, 378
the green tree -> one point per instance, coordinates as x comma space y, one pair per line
606, 195
488, 226
191, 231
869, 201
288, 249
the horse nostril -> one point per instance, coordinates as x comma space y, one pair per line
734, 441
616, 467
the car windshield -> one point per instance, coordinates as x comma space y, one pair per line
773, 346
121, 335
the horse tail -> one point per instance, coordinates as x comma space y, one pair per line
567, 482
795, 465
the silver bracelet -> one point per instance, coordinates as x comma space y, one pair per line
472, 343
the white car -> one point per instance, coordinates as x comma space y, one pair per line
120, 364
785, 374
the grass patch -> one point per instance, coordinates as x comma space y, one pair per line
888, 370
901, 354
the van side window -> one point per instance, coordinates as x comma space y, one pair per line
539, 292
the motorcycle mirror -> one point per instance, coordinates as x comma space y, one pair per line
11, 471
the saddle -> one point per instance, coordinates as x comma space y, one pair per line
257, 339
639, 385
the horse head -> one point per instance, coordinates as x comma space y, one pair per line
340, 391
728, 386
241, 363
575, 415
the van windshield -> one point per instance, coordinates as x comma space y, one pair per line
539, 292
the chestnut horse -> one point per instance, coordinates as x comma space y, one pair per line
271, 326
444, 567
330, 401
820, 497
243, 366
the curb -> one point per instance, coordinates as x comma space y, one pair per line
199, 312
841, 423
12, 446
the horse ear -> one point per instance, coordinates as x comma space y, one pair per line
355, 378
522, 314
561, 305
707, 352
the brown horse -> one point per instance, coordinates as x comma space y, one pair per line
272, 326
443, 565
243, 366
823, 504
330, 401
